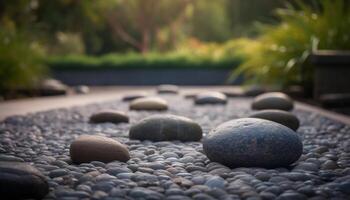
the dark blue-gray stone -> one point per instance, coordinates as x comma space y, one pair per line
282, 117
273, 100
251, 142
19, 180
166, 127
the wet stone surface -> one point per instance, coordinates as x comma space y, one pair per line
174, 170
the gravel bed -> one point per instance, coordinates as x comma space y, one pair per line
175, 170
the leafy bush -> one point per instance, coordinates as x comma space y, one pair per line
20, 64
278, 56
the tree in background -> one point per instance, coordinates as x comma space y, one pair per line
140, 23
20, 49
211, 21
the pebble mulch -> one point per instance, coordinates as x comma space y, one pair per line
175, 170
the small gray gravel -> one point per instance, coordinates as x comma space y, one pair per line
175, 170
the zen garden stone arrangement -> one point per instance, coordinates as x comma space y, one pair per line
166, 146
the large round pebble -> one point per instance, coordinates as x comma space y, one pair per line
87, 148
211, 98
149, 103
282, 117
273, 100
19, 180
251, 142
115, 117
166, 127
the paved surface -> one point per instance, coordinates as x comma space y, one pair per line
100, 94
175, 170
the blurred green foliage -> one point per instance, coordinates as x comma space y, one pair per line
277, 57
193, 55
133, 25
177, 33
20, 61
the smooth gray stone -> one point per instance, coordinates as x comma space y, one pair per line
345, 187
291, 196
51, 87
87, 148
216, 182
58, 173
166, 127
254, 90
10, 158
111, 116
210, 98
273, 100
307, 166
149, 103
133, 96
19, 180
250, 142
282, 117
82, 89
167, 89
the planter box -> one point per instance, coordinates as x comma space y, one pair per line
332, 72
144, 76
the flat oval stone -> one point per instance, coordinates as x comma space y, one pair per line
254, 90
282, 117
115, 117
51, 87
170, 89
273, 100
166, 127
19, 180
251, 142
190, 95
87, 148
133, 96
149, 103
233, 92
211, 98
82, 89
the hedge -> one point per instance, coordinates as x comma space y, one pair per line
138, 61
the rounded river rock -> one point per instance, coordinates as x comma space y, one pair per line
166, 127
87, 148
211, 98
282, 117
167, 89
19, 180
149, 103
115, 117
273, 100
251, 142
